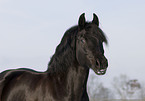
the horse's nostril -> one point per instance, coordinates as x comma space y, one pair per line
97, 63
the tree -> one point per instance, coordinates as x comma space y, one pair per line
125, 88
119, 85
97, 91
141, 94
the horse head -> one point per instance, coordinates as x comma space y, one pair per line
89, 45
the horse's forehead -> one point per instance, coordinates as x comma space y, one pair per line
90, 26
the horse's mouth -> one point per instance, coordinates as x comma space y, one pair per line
101, 68
101, 71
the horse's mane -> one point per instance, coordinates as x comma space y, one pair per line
98, 33
67, 40
102, 36
64, 49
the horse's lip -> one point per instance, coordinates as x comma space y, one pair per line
101, 72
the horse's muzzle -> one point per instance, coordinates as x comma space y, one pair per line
101, 66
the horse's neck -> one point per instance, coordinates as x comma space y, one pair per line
71, 76
78, 77
72, 80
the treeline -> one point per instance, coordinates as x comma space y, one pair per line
121, 88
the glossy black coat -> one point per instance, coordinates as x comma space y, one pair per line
67, 74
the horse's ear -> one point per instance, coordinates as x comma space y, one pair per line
95, 19
82, 21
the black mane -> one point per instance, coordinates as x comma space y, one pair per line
64, 49
98, 33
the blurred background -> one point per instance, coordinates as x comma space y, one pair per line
30, 30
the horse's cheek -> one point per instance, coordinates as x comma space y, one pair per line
81, 58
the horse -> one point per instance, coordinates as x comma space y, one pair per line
80, 50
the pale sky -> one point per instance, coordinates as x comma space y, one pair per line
30, 30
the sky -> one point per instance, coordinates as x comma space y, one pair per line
30, 30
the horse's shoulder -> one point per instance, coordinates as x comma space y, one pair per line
6, 76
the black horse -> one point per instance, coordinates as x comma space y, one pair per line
80, 49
